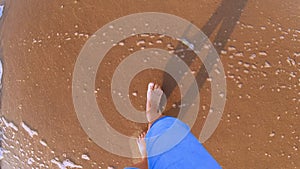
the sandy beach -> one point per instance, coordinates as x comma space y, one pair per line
258, 43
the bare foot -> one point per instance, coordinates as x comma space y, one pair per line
154, 94
142, 145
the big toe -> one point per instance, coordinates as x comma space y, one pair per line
150, 86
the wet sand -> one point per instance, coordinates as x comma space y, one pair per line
258, 43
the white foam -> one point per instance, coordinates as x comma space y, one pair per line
267, 64
66, 163
297, 54
9, 124
43, 143
1, 153
28, 130
263, 28
291, 61
239, 54
85, 157
140, 42
1, 73
263, 53
231, 48
224, 52
59, 165
30, 161
134, 93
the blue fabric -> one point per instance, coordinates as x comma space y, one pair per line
171, 145
1, 10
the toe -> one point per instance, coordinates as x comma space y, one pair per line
151, 86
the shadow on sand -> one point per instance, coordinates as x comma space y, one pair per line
224, 18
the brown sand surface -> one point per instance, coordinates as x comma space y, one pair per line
258, 43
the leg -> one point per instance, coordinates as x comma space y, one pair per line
154, 94
142, 147
141, 165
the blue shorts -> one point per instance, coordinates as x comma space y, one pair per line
171, 145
